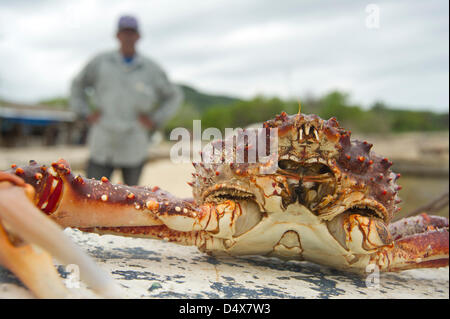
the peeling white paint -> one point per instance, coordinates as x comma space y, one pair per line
155, 269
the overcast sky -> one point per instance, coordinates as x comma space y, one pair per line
289, 48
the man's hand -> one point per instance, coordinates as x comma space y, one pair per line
146, 122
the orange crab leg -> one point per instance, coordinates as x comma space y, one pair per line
103, 207
414, 242
419, 242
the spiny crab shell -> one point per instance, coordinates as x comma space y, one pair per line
354, 176
321, 174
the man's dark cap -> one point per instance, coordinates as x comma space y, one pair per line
127, 22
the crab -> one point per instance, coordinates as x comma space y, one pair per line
297, 188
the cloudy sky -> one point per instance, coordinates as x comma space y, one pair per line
394, 51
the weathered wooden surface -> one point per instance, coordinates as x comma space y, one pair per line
155, 269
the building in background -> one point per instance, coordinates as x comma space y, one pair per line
37, 125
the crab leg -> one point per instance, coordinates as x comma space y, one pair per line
415, 242
22, 222
103, 207
419, 242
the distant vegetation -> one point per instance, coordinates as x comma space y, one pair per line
379, 118
57, 102
223, 111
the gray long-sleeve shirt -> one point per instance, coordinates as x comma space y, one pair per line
121, 92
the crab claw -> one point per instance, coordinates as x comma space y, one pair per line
418, 242
28, 238
414, 242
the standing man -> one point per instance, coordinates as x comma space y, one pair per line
132, 98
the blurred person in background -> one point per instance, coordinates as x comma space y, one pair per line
132, 98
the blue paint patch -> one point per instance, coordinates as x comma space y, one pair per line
326, 287
155, 286
236, 290
137, 275
228, 278
137, 252
177, 295
176, 258
7, 277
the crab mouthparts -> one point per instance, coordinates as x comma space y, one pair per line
309, 183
